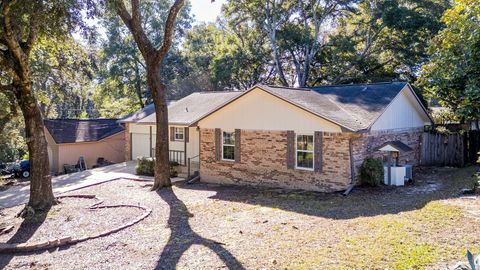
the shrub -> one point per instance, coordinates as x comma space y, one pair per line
173, 168
146, 166
371, 172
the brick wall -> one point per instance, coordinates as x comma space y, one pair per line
365, 145
264, 162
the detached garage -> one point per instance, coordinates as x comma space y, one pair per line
70, 139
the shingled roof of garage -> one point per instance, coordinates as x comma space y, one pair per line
81, 130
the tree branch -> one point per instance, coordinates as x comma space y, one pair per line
134, 24
32, 36
11, 41
169, 30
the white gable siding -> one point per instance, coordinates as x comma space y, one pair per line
142, 129
403, 112
259, 110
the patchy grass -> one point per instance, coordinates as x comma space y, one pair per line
401, 241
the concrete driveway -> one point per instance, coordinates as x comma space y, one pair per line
19, 194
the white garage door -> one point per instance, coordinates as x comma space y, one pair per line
140, 145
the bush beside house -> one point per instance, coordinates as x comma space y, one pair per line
146, 166
371, 172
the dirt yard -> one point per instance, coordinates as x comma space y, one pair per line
424, 226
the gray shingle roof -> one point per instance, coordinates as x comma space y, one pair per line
81, 130
364, 103
354, 107
397, 145
191, 108
140, 114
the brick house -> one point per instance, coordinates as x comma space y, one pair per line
140, 134
309, 138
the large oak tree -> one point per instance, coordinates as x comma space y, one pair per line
22, 24
452, 74
153, 57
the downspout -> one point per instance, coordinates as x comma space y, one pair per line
352, 168
185, 130
150, 143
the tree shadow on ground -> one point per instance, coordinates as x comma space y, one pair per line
432, 185
27, 229
182, 236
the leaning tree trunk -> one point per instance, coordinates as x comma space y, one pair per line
14, 61
162, 162
41, 194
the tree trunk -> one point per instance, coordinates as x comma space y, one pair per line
41, 194
272, 31
153, 58
278, 64
162, 162
138, 86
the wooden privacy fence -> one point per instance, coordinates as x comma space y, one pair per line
449, 149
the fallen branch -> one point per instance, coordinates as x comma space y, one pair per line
58, 242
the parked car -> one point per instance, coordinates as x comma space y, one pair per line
22, 169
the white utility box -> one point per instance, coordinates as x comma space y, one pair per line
397, 175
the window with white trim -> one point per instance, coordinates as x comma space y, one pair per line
228, 145
178, 134
304, 152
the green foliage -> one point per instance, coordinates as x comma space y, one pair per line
122, 73
62, 69
382, 40
225, 57
114, 107
12, 142
452, 74
371, 172
174, 168
358, 41
146, 166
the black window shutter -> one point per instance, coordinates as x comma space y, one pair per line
237, 145
318, 151
185, 134
172, 134
218, 143
290, 149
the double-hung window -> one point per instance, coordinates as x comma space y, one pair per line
228, 145
178, 134
304, 152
